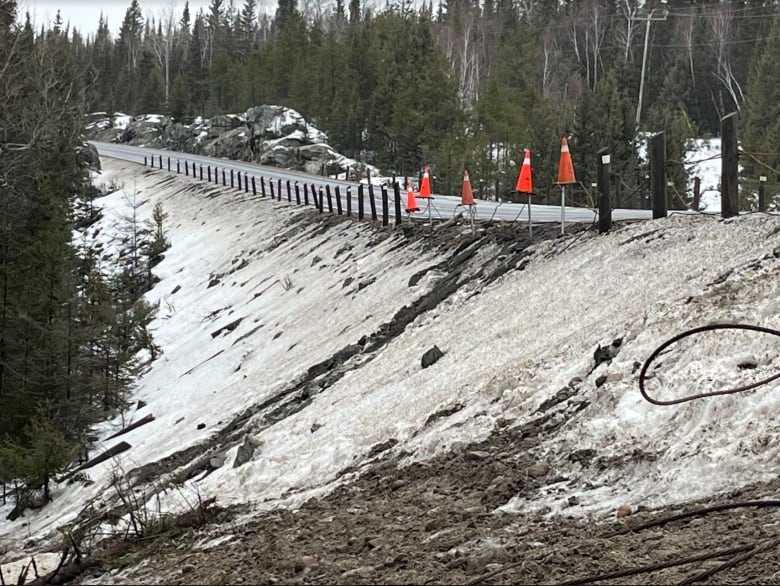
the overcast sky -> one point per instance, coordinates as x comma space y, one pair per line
85, 14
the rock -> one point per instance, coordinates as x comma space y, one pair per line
245, 451
623, 511
304, 562
217, 461
607, 353
538, 470
431, 356
200, 425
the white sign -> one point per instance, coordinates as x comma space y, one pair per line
605, 159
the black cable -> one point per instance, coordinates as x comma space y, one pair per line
694, 331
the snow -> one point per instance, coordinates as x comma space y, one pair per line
508, 346
704, 161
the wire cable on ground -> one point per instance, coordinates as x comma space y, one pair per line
692, 332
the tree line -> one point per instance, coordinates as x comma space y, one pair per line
461, 83
73, 329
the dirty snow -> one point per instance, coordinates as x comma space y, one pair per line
507, 350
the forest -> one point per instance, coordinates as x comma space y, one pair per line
402, 86
461, 83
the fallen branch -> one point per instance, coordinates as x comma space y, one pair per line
143, 421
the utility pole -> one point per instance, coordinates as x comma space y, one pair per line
662, 14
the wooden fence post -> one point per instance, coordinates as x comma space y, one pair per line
729, 188
330, 199
178, 166
201, 172
224, 178
169, 164
238, 176
338, 201
360, 201
349, 200
160, 161
762, 193
232, 179
397, 199
271, 184
254, 186
315, 197
658, 174
208, 170
385, 207
289, 193
279, 189
262, 186
306, 194
371, 202
246, 183
297, 193
605, 201
186, 169
321, 196
696, 193
144, 160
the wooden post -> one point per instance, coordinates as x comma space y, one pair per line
306, 194
338, 201
246, 183
186, 169
385, 207
297, 193
224, 178
178, 166
696, 193
371, 202
605, 202
160, 161
144, 160
238, 176
254, 186
279, 189
360, 201
321, 197
330, 199
201, 172
762, 193
397, 198
658, 174
232, 179
729, 188
315, 198
271, 184
169, 164
349, 200
208, 170
289, 193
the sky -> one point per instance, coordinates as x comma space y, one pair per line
85, 14
303, 294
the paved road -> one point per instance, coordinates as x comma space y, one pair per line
441, 207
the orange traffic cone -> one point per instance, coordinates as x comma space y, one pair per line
524, 183
565, 166
425, 185
411, 201
467, 197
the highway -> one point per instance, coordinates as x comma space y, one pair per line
440, 207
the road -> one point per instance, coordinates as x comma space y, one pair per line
441, 207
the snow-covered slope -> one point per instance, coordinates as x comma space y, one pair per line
274, 332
